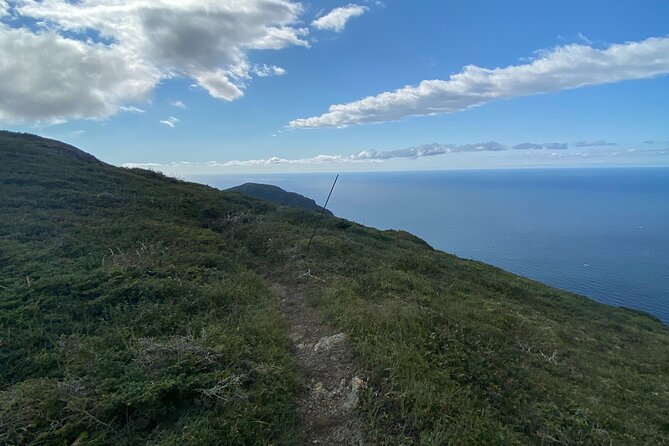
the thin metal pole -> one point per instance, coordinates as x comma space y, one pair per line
322, 212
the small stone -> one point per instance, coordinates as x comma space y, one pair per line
342, 386
295, 336
327, 342
353, 396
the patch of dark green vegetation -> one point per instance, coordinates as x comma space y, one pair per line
132, 311
276, 195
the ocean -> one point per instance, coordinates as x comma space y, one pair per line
600, 232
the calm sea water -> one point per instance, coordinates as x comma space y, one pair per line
603, 233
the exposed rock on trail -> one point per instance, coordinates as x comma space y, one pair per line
327, 342
332, 383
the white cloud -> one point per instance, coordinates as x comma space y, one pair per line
178, 104
584, 38
366, 156
268, 162
528, 146
562, 68
336, 19
556, 146
596, 143
275, 161
170, 121
489, 154
4, 8
427, 150
142, 165
131, 109
268, 70
47, 78
218, 84
88, 58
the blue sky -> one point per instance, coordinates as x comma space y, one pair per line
262, 89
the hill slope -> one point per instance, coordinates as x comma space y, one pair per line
278, 196
134, 310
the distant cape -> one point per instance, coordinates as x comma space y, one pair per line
276, 195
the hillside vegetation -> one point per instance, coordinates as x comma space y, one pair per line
278, 196
135, 309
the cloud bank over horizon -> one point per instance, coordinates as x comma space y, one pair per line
88, 59
561, 68
553, 150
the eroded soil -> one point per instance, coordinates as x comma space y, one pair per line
332, 382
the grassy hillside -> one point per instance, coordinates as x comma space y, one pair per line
133, 310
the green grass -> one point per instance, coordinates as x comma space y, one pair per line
132, 312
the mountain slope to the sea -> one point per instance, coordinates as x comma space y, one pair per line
135, 309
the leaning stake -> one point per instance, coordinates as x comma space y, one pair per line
322, 212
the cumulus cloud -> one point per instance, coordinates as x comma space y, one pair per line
268, 70
556, 146
275, 161
86, 59
597, 143
218, 84
629, 155
366, 156
528, 146
49, 78
427, 150
131, 109
336, 19
149, 166
566, 67
268, 162
178, 104
170, 121
544, 146
4, 8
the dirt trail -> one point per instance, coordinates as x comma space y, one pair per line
328, 405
